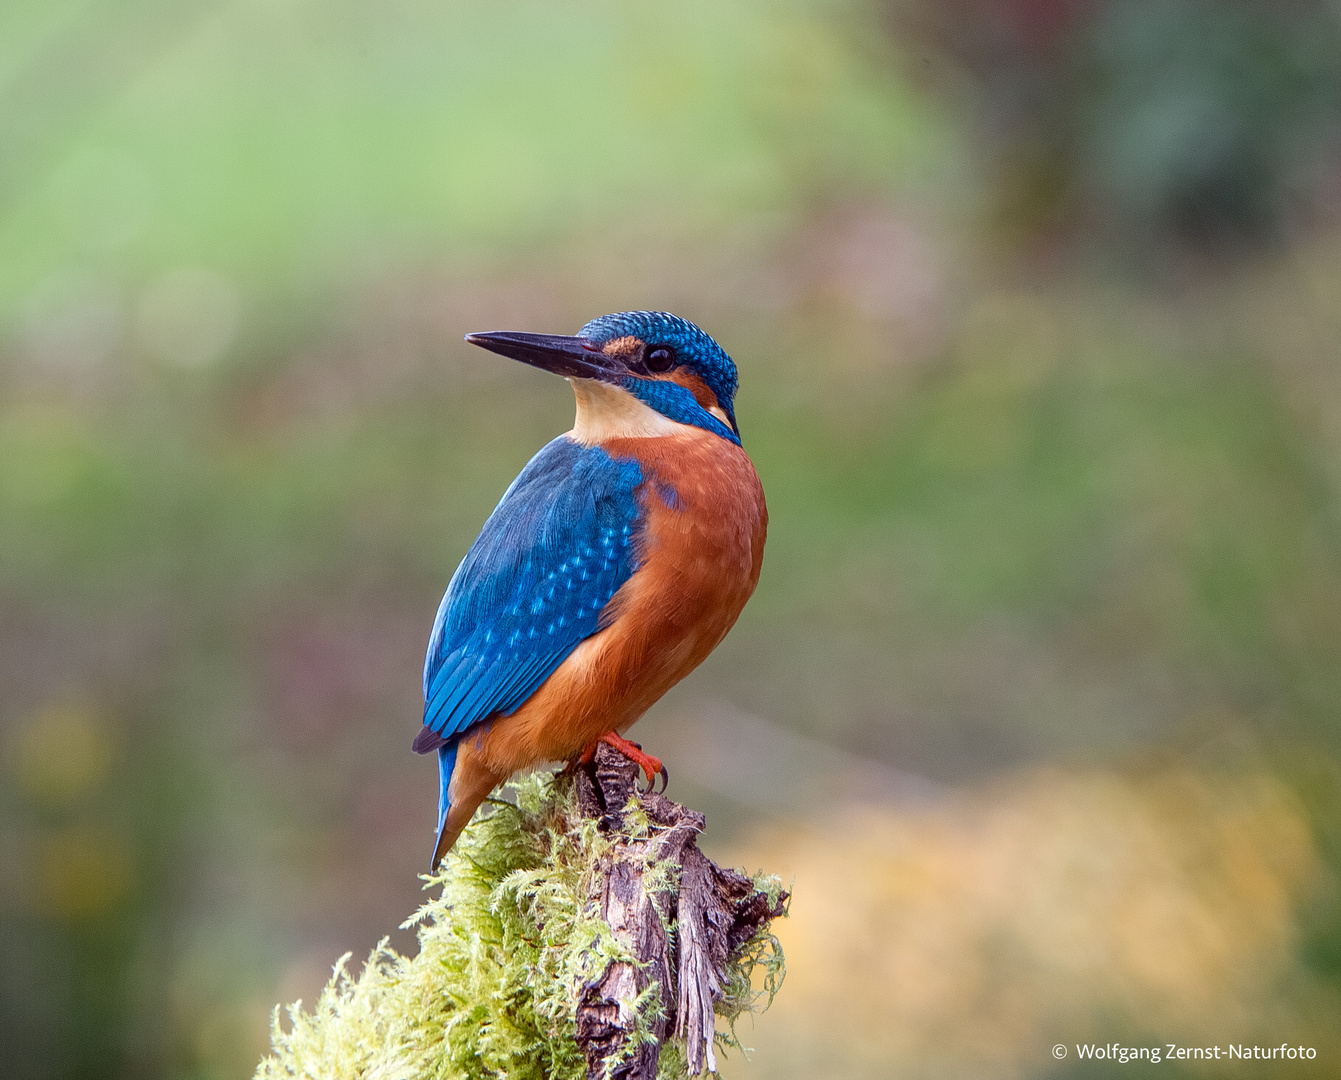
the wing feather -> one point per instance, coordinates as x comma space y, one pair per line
532, 587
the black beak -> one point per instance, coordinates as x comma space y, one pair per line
571, 357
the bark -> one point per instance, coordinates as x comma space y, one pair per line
680, 934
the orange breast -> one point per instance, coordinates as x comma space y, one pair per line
702, 548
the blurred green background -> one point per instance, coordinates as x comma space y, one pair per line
1035, 304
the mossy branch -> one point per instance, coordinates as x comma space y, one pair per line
579, 935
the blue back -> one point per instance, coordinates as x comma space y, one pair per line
532, 586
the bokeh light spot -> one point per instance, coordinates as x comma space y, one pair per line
62, 754
188, 317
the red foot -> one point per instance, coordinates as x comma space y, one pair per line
650, 765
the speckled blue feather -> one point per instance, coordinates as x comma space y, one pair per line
533, 584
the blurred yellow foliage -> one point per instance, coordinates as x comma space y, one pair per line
80, 872
966, 937
62, 754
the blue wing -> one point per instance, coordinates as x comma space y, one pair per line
533, 585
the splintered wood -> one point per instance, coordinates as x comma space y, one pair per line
712, 911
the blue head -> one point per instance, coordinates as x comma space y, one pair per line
665, 361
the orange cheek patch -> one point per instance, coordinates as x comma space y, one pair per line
696, 386
622, 347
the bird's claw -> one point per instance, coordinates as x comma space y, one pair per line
634, 752
652, 780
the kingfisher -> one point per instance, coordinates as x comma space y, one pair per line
613, 565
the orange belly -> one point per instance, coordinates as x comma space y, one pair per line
698, 563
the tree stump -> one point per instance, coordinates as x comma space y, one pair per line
680, 927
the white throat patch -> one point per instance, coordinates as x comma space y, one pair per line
610, 412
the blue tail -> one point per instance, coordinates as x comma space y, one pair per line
446, 764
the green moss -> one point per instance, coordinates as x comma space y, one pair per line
504, 952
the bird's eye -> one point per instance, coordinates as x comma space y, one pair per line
660, 359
